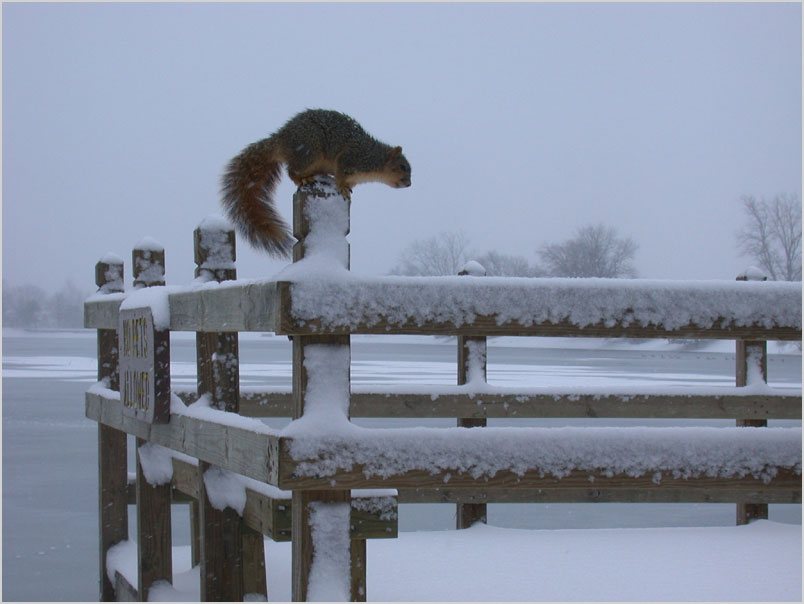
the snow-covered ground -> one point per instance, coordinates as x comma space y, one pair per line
758, 562
546, 552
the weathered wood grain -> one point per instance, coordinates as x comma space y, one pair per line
154, 545
112, 444
467, 514
252, 454
512, 406
556, 494
750, 510
487, 325
221, 549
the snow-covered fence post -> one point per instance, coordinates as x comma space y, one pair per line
320, 531
148, 263
222, 544
471, 369
154, 538
751, 368
112, 443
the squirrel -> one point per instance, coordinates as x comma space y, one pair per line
315, 141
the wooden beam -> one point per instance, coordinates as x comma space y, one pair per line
154, 549
597, 495
547, 405
221, 548
236, 307
271, 516
266, 306
356, 477
746, 354
112, 444
264, 457
487, 325
250, 453
472, 352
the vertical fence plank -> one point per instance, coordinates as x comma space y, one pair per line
154, 546
471, 366
306, 209
112, 444
226, 549
154, 538
358, 555
254, 579
751, 365
221, 548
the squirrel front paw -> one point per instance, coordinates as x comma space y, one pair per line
345, 192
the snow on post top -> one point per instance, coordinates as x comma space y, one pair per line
111, 258
214, 243
326, 214
149, 244
752, 273
215, 222
473, 268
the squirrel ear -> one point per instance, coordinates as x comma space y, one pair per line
394, 153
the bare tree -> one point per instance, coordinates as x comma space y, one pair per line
443, 254
771, 236
594, 251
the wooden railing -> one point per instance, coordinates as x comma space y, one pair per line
296, 480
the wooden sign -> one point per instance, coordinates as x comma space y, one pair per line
144, 367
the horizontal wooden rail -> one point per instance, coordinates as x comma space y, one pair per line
785, 486
254, 454
590, 494
732, 405
266, 457
272, 306
269, 514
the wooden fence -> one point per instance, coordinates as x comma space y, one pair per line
294, 481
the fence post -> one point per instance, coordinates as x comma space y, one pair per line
471, 366
751, 367
154, 545
305, 501
112, 444
225, 547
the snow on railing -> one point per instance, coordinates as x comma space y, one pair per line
245, 480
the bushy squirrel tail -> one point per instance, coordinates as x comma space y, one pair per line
248, 187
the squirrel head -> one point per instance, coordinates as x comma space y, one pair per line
397, 168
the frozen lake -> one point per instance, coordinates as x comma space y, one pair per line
50, 549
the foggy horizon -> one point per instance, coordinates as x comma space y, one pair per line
522, 123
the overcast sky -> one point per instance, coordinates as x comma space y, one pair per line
522, 122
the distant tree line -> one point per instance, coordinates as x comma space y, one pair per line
31, 306
770, 237
593, 251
